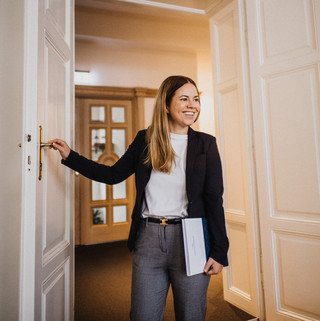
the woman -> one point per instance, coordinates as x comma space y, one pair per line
178, 174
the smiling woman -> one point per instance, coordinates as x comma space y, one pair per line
176, 108
178, 175
184, 109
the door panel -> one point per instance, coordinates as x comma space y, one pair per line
240, 278
105, 134
54, 191
283, 39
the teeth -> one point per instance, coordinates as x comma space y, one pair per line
189, 113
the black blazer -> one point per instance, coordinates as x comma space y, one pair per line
203, 183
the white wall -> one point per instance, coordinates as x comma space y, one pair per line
11, 93
205, 84
124, 66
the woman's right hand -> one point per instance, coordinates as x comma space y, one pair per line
61, 146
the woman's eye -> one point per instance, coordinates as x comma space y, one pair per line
184, 99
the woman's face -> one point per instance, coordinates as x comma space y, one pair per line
184, 109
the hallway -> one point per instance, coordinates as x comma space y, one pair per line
103, 286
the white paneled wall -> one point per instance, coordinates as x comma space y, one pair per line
11, 134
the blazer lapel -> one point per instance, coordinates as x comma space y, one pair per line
191, 155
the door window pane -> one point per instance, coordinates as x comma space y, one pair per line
99, 191
97, 114
118, 141
118, 114
120, 214
99, 216
119, 190
98, 142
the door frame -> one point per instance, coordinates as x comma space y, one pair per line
136, 95
29, 172
247, 97
236, 80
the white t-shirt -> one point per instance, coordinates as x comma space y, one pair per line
165, 193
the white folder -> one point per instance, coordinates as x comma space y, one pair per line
194, 245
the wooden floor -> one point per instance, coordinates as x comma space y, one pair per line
103, 287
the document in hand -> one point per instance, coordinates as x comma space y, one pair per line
196, 245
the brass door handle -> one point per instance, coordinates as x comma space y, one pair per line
45, 144
41, 146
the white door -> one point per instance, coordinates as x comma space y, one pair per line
232, 116
48, 223
284, 50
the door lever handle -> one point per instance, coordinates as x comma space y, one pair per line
45, 144
41, 146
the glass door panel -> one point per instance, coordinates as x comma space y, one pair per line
99, 216
98, 143
118, 114
119, 191
119, 214
98, 114
118, 141
98, 191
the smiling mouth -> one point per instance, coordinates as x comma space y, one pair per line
189, 113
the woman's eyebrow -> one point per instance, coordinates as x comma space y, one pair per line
188, 96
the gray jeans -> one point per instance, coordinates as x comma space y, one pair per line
158, 262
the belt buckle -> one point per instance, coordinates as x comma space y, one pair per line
164, 221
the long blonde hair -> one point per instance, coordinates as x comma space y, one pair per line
160, 154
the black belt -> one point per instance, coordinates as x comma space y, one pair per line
162, 221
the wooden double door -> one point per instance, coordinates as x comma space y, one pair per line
104, 130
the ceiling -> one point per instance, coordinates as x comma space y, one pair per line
187, 16
153, 7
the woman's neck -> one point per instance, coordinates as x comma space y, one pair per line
178, 130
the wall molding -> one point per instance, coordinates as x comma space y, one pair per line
108, 92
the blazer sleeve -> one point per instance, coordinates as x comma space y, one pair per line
114, 174
214, 205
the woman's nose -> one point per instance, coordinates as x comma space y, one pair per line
193, 104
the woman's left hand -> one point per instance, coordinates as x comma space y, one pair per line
212, 267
